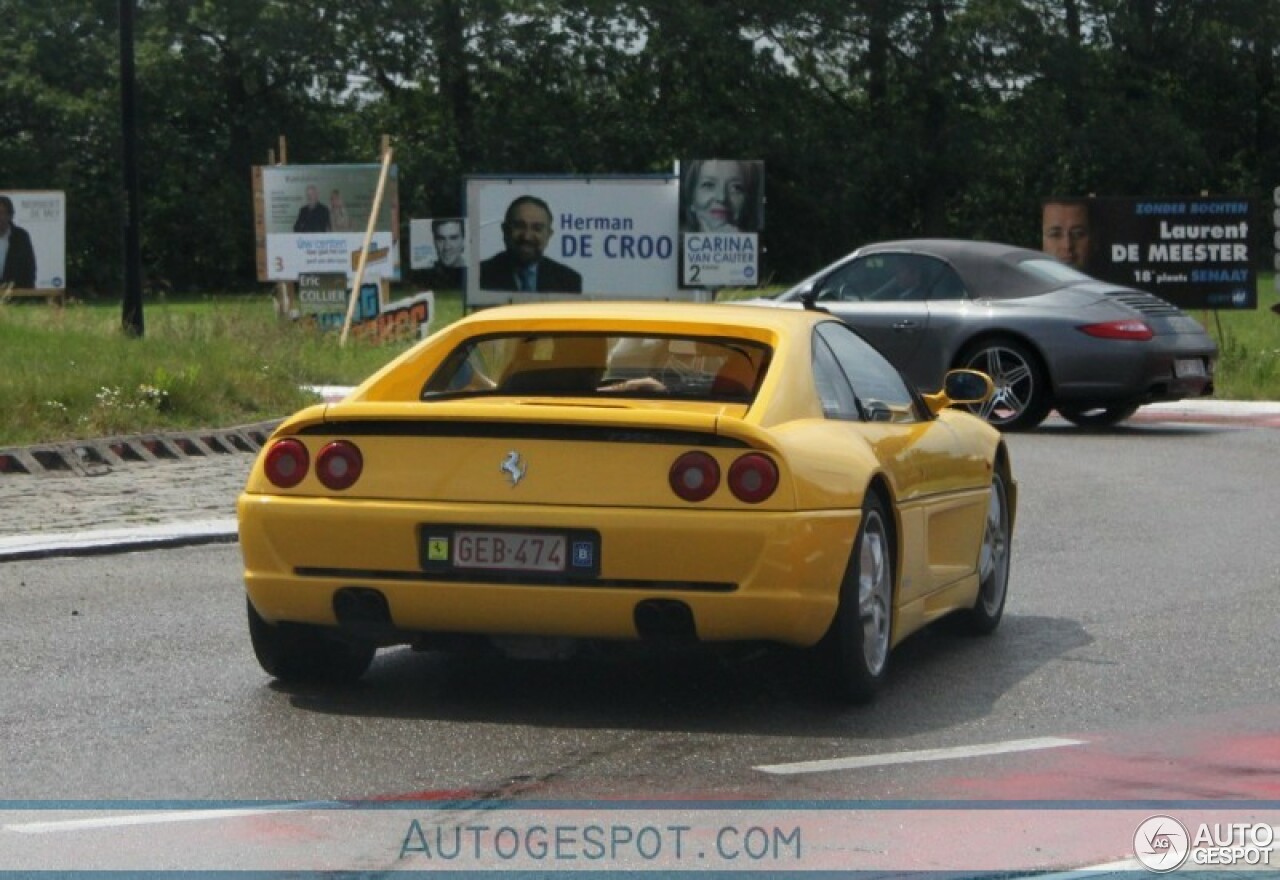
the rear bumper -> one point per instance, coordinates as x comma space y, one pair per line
743, 575
1138, 372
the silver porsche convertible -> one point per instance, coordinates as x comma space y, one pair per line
1048, 335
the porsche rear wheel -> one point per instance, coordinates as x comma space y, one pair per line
864, 619
295, 652
1097, 416
1022, 398
993, 562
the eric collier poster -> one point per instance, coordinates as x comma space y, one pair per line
1194, 251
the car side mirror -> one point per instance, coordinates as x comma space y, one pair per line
967, 387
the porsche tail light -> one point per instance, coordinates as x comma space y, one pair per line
694, 476
339, 464
286, 463
753, 477
1130, 328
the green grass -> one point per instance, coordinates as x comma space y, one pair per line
221, 361
1249, 348
214, 362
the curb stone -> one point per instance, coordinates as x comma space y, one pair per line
109, 541
99, 456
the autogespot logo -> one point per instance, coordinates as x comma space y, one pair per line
1161, 843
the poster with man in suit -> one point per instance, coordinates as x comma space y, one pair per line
522, 264
33, 240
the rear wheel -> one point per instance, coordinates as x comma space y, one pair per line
1097, 416
993, 562
864, 619
1022, 397
299, 652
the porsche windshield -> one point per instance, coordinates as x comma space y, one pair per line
577, 364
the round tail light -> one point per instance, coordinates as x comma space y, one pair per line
694, 476
753, 477
339, 464
286, 463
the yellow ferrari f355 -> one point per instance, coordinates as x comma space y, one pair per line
659, 472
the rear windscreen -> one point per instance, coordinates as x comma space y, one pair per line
576, 364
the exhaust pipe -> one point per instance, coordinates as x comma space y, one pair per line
667, 621
363, 612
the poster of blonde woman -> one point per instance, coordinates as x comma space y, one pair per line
721, 216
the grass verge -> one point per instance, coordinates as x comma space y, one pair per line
215, 362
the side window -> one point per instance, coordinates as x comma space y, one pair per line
948, 285
887, 277
855, 280
837, 397
912, 278
880, 389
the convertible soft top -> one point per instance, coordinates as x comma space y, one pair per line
987, 266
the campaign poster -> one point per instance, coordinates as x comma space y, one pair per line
40, 216
400, 320
555, 238
438, 251
721, 216
1193, 251
313, 218
438, 242
323, 298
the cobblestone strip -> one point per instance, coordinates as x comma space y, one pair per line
141, 494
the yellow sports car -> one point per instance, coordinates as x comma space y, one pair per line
628, 471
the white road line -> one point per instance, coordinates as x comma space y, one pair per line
1108, 868
138, 819
1000, 748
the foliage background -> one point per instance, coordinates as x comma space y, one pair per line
875, 118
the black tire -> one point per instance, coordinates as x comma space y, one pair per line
295, 652
1022, 397
1097, 416
859, 638
993, 563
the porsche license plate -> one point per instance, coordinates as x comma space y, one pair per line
1188, 368
509, 551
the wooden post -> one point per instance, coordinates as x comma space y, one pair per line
286, 298
384, 283
368, 241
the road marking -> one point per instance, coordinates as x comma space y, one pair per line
139, 819
1000, 748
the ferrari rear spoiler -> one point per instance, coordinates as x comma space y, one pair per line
622, 420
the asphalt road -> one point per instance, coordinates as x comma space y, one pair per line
1136, 664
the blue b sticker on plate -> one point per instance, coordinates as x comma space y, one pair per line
583, 554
